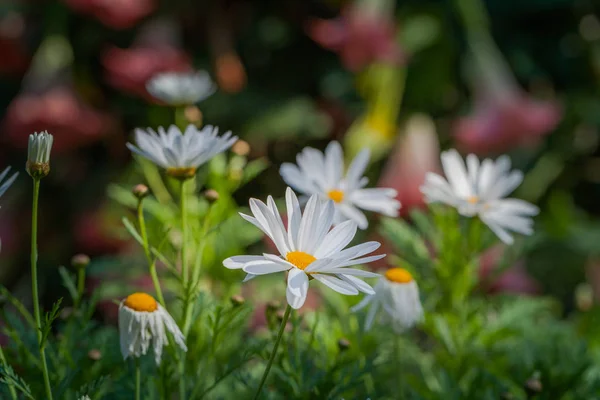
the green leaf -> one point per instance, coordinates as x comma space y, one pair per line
253, 169
68, 282
407, 241
132, 230
9, 377
48, 320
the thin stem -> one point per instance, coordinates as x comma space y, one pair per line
13, 392
34, 286
151, 260
185, 283
286, 316
80, 285
137, 379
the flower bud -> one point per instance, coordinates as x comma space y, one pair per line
273, 305
241, 148
193, 115
237, 300
343, 344
38, 154
279, 315
140, 191
94, 354
80, 261
211, 195
533, 386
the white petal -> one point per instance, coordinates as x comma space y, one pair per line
336, 284
237, 262
358, 283
264, 267
336, 239
297, 288
354, 214
456, 173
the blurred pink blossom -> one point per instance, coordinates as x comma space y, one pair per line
59, 111
129, 69
514, 279
15, 57
359, 37
118, 14
96, 233
416, 153
503, 116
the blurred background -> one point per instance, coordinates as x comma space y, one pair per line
405, 78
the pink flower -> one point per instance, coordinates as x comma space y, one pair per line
359, 37
130, 69
515, 279
415, 154
498, 126
73, 123
118, 14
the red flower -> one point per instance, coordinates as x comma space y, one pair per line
359, 37
130, 69
61, 113
415, 154
119, 14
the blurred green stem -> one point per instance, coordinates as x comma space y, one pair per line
151, 260
34, 286
185, 283
137, 378
284, 321
11, 389
180, 119
80, 285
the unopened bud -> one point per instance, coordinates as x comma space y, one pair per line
38, 154
533, 386
94, 354
193, 115
211, 195
241, 148
80, 261
140, 190
279, 315
273, 305
237, 300
584, 297
343, 344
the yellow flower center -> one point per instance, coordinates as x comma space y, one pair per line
472, 199
336, 195
141, 302
300, 259
181, 173
398, 275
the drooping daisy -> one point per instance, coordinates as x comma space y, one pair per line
142, 321
323, 174
398, 294
181, 88
4, 186
481, 189
38, 154
181, 153
307, 248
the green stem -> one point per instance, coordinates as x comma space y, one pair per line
137, 379
185, 283
286, 316
80, 285
34, 285
13, 392
180, 119
149, 258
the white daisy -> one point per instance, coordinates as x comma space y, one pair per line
141, 321
308, 249
398, 294
480, 189
4, 186
323, 174
38, 154
181, 88
181, 153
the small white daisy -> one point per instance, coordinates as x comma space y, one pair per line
308, 249
142, 321
181, 153
38, 154
481, 189
323, 174
4, 186
398, 294
181, 88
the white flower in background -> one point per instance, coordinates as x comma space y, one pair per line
181, 88
4, 186
323, 174
181, 153
308, 249
481, 189
86, 397
38, 154
142, 321
398, 294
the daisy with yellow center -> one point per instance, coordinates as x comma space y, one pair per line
397, 294
308, 248
323, 174
142, 322
480, 189
181, 153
